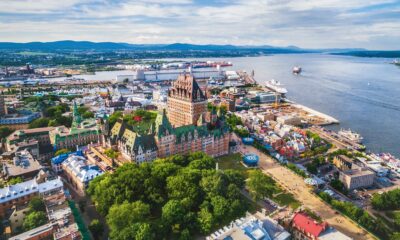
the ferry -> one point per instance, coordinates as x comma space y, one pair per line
350, 135
297, 70
276, 86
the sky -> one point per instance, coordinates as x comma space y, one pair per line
370, 24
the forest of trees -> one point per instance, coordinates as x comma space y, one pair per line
178, 197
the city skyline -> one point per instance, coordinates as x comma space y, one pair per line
306, 24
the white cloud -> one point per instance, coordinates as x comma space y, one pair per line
305, 23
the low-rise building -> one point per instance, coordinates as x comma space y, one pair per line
22, 193
59, 214
20, 120
357, 177
342, 162
257, 226
23, 165
36, 140
304, 227
78, 172
82, 132
40, 233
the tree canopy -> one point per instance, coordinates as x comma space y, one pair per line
386, 201
34, 220
176, 196
260, 185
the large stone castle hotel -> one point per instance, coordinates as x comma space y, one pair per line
186, 126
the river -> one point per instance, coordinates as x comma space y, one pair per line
362, 93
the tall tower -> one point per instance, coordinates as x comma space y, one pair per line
77, 119
186, 101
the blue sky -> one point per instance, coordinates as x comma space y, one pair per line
371, 24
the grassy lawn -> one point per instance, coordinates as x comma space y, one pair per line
232, 161
286, 199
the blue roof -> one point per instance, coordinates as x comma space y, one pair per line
61, 158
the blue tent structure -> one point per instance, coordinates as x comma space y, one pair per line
248, 140
251, 160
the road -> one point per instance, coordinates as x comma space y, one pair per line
295, 184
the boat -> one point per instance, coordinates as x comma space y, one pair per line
297, 70
350, 135
275, 86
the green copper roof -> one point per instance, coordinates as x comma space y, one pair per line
162, 125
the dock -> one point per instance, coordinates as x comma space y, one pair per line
329, 119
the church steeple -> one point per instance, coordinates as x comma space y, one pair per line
77, 119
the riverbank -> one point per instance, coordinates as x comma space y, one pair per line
329, 119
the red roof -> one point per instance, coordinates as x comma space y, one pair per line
306, 224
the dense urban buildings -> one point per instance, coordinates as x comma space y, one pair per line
192, 129
82, 132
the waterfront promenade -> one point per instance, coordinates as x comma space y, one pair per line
302, 192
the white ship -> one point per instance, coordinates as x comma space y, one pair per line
350, 135
276, 86
297, 70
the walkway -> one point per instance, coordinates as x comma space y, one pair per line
302, 192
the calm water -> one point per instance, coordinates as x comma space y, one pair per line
362, 93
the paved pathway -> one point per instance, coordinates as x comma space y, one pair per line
295, 184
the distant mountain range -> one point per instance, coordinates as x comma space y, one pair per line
69, 45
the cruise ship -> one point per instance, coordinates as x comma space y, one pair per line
350, 135
276, 86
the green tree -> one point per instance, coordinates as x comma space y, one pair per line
122, 216
15, 180
111, 153
174, 213
38, 123
4, 132
36, 204
34, 220
395, 236
87, 115
386, 201
114, 117
260, 185
185, 235
205, 220
96, 228
144, 232
221, 207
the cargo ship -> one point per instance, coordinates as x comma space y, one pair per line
276, 86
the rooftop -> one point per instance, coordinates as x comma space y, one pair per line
333, 234
25, 188
304, 223
253, 227
34, 232
77, 165
23, 163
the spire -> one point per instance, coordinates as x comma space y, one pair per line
76, 116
